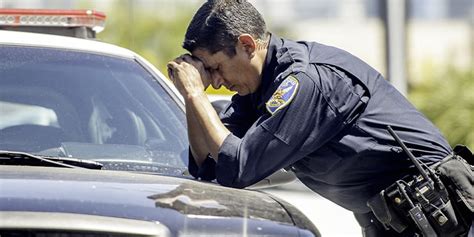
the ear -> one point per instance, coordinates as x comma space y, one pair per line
248, 44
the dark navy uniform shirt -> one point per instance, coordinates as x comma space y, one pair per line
332, 134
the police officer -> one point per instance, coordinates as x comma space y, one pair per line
302, 105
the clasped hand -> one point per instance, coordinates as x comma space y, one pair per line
189, 75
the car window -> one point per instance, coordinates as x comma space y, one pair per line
89, 106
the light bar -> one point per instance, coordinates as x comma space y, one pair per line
53, 18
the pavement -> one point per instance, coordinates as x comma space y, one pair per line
331, 219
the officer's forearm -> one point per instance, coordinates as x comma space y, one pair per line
213, 130
198, 144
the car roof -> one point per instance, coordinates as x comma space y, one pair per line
62, 42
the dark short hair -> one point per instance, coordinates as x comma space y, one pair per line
217, 25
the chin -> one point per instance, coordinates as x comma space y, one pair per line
247, 91
242, 93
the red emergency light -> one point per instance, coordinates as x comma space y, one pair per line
53, 18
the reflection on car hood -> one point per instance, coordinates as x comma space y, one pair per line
169, 200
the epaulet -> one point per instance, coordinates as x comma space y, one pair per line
283, 95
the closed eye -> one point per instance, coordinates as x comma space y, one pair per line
215, 69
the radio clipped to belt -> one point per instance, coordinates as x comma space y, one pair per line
437, 202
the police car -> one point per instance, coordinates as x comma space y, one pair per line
93, 142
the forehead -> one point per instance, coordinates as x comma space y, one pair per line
208, 59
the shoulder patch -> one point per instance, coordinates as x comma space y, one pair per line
283, 95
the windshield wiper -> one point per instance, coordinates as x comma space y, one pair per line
141, 166
23, 158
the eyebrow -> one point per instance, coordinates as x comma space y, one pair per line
206, 64
196, 57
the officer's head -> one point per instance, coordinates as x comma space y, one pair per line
230, 38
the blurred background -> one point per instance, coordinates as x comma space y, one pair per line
424, 47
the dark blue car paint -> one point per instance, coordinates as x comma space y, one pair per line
181, 204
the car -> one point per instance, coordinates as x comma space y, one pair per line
93, 142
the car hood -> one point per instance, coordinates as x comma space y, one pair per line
176, 202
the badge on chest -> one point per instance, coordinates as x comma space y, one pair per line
283, 95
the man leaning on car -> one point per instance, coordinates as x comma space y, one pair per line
304, 106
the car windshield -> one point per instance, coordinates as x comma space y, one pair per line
89, 106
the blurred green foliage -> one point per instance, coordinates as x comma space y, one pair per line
155, 34
446, 97
156, 37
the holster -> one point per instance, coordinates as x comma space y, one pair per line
457, 175
385, 213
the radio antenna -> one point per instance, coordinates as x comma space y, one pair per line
410, 155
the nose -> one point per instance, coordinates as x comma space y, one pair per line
217, 80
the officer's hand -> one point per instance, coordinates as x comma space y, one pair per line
205, 74
188, 74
